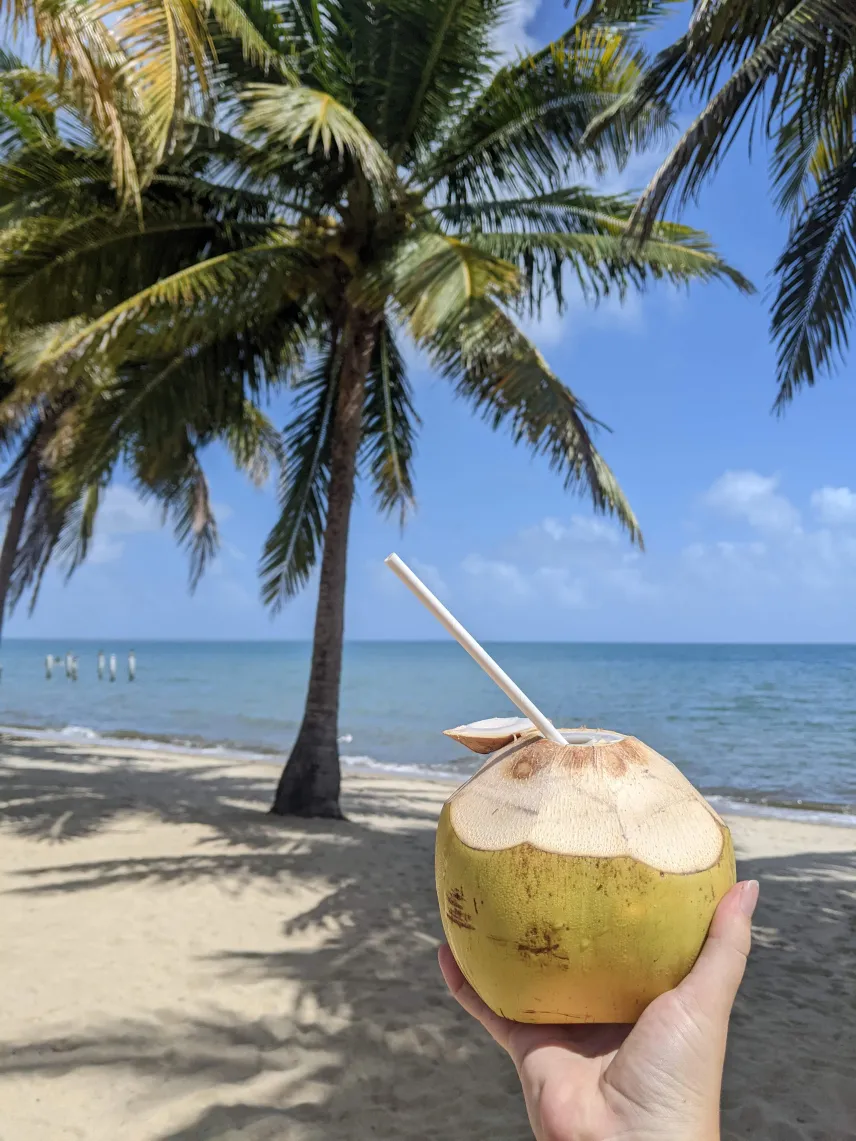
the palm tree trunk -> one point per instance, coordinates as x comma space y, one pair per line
309, 785
15, 522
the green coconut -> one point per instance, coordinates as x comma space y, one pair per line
576, 882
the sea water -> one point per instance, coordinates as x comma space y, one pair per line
769, 726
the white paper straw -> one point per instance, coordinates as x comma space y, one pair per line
475, 651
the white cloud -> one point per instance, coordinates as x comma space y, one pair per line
629, 581
234, 552
753, 498
103, 549
389, 586
788, 556
587, 529
553, 328
583, 540
122, 512
578, 564
431, 576
835, 505
783, 566
503, 579
638, 171
559, 585
511, 37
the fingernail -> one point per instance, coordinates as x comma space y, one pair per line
749, 897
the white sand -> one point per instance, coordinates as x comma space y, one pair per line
177, 966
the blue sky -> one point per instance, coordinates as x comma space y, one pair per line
749, 520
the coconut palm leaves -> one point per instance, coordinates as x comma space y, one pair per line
396, 173
133, 71
787, 70
319, 191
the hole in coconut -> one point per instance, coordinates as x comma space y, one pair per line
604, 737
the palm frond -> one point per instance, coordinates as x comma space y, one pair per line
292, 547
568, 209
39, 537
47, 516
256, 281
15, 414
286, 116
498, 370
78, 44
169, 53
603, 264
211, 392
438, 54
172, 475
816, 276
389, 427
28, 104
254, 443
580, 231
254, 30
52, 267
812, 140
186, 498
74, 535
432, 277
43, 179
632, 16
529, 124
805, 28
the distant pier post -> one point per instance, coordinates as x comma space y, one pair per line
101, 663
112, 667
49, 665
132, 666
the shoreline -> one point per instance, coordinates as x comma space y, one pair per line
178, 965
838, 816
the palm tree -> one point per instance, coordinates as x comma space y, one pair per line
387, 181
49, 186
788, 69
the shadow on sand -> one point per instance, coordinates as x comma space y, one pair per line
362, 1052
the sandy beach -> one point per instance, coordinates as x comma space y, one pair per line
177, 965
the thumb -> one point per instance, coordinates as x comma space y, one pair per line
712, 984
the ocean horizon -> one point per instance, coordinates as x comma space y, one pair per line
761, 727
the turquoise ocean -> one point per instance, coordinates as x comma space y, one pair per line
769, 728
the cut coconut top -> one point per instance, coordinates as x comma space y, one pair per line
491, 734
602, 795
496, 732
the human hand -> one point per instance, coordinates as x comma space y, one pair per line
659, 1080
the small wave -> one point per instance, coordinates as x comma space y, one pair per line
450, 770
816, 814
345, 739
124, 739
79, 733
423, 772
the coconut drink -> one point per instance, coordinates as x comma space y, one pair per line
577, 881
578, 870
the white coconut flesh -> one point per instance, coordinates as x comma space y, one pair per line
491, 734
601, 795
